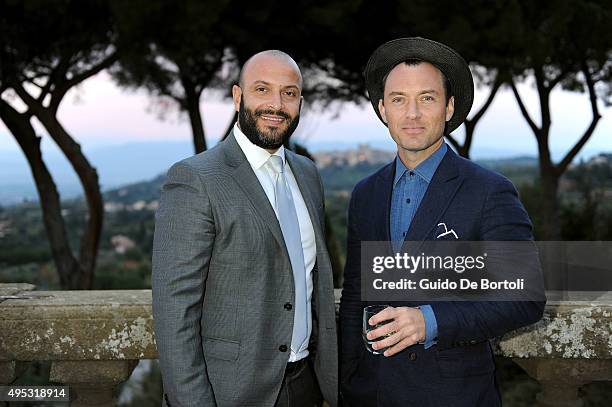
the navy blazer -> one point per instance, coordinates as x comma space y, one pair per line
459, 371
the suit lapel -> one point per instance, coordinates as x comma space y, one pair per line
383, 189
247, 180
442, 188
307, 194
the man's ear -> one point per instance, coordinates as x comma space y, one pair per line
381, 109
450, 108
301, 102
236, 96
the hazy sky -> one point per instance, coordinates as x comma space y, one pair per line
98, 113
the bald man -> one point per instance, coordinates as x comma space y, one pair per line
242, 284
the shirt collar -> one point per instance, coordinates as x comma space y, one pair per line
426, 169
255, 155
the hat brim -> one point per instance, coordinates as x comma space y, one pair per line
447, 60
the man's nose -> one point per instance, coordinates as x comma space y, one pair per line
276, 101
413, 111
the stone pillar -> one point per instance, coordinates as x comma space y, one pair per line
92, 383
11, 370
561, 378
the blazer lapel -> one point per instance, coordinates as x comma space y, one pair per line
381, 209
248, 182
307, 193
442, 188
382, 190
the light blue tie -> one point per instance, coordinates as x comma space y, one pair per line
287, 217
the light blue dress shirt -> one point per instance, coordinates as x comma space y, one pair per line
409, 187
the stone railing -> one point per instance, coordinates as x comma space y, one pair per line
570, 347
94, 339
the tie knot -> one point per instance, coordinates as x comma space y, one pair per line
276, 162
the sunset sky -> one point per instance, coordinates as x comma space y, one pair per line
98, 113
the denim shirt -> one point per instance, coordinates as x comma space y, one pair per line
409, 187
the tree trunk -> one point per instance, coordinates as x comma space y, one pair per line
192, 105
230, 126
89, 180
550, 229
549, 209
55, 89
335, 256
67, 266
549, 173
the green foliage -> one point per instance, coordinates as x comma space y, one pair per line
343, 177
148, 390
146, 191
516, 387
586, 213
170, 48
52, 39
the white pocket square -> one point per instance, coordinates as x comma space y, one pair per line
446, 231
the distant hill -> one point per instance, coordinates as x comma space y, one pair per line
123, 168
340, 171
516, 162
116, 165
139, 191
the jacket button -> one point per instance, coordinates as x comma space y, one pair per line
288, 306
412, 356
283, 348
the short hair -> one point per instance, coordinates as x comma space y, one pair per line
271, 52
414, 62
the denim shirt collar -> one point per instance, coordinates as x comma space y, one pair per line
426, 169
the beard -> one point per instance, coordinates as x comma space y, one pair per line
269, 138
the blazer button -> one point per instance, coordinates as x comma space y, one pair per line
412, 356
283, 348
288, 306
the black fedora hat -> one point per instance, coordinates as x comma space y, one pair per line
447, 60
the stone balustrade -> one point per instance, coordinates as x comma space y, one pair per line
570, 347
94, 339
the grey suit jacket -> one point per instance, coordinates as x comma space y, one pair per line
221, 279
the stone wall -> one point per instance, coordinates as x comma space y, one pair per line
94, 339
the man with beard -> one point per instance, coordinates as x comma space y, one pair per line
242, 284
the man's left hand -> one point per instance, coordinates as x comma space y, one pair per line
407, 328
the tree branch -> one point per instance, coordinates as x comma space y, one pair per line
58, 72
524, 111
31, 102
553, 82
454, 142
544, 95
569, 157
496, 85
65, 84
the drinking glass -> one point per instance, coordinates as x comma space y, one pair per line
369, 312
